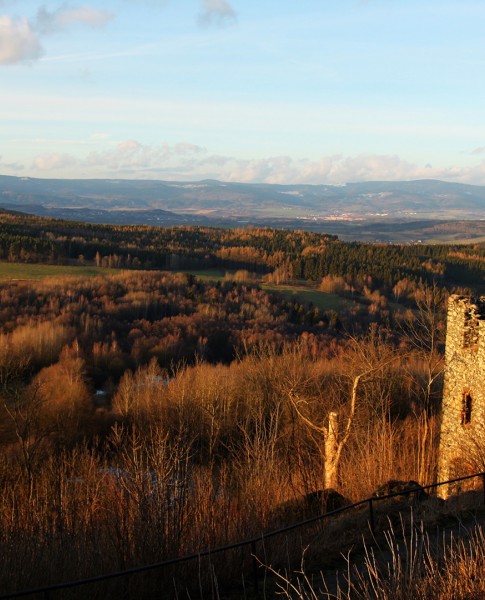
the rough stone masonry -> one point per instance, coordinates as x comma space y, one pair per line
462, 438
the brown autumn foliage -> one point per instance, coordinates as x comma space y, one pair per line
198, 443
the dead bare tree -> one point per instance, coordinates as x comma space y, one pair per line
365, 358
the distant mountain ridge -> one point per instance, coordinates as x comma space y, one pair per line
206, 202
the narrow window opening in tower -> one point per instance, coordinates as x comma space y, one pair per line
466, 408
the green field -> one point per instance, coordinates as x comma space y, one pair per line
13, 271
321, 300
10, 271
207, 274
300, 292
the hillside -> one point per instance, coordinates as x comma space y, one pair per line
384, 211
168, 411
282, 255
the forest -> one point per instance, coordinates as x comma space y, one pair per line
286, 254
151, 413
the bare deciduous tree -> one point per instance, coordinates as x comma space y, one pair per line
424, 329
366, 359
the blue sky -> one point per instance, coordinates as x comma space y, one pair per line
307, 91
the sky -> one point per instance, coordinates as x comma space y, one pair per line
275, 91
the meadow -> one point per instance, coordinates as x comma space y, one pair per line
309, 295
302, 291
17, 271
14, 271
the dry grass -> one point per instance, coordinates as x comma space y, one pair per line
410, 565
203, 459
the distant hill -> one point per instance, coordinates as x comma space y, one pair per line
353, 207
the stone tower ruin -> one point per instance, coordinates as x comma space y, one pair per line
462, 438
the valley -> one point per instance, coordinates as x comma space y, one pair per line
412, 212
175, 384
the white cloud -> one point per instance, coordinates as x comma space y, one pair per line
100, 135
129, 147
50, 21
19, 38
130, 157
85, 15
216, 11
11, 166
54, 162
18, 42
184, 148
189, 162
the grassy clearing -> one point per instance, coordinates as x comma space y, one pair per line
207, 274
300, 292
12, 271
321, 300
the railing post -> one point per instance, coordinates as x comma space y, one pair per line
371, 515
255, 567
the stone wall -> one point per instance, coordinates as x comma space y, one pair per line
462, 438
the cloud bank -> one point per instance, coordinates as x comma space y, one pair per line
189, 162
18, 41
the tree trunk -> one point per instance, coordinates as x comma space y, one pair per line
332, 453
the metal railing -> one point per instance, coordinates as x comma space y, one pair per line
45, 591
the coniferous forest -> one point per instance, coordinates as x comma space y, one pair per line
156, 410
